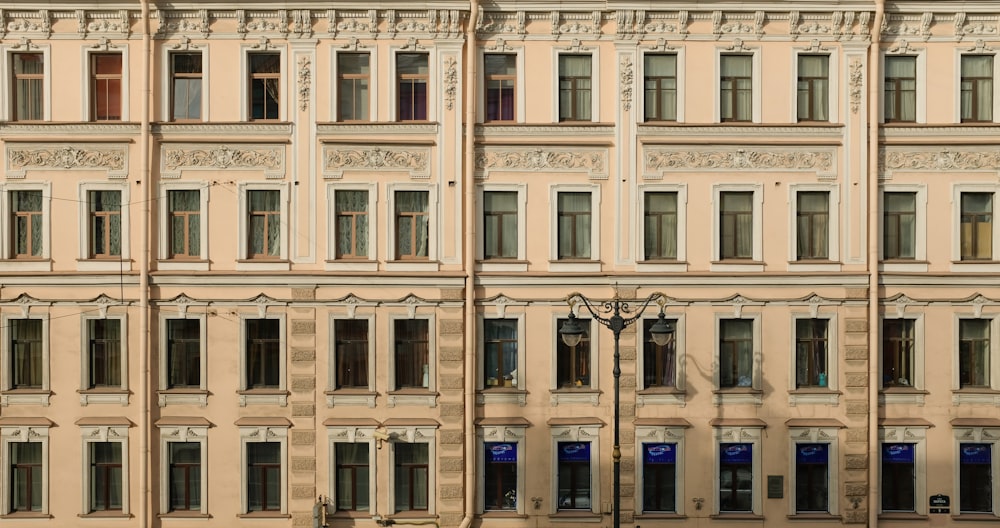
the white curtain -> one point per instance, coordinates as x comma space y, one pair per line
574, 225
500, 229
900, 225
814, 87
26, 345
412, 229
661, 87
737, 87
901, 76
352, 228
977, 88
661, 225
574, 87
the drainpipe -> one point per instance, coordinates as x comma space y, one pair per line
874, 330
144, 256
470, 264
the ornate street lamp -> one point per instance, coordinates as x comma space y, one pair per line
609, 314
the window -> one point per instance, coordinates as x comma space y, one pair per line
185, 223
898, 477
736, 353
353, 476
500, 353
26, 476
500, 229
412, 354
574, 225
900, 97
811, 353
660, 228
182, 458
264, 368
26, 220
29, 87
412, 74
351, 223
412, 476
104, 354
500, 476
264, 482
185, 86
975, 476
265, 86
898, 356
105, 224
351, 349
736, 225
573, 476
974, 353
814, 88
812, 225
353, 77
412, 213
977, 88
184, 476
659, 363
812, 478
501, 83
573, 363
660, 85
105, 476
183, 353
736, 88
106, 86
977, 226
899, 221
27, 357
575, 87
659, 477
736, 479
264, 221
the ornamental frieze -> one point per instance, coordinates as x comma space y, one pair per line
111, 158
412, 159
658, 160
177, 158
592, 161
950, 159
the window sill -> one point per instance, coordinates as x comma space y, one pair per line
502, 265
902, 395
345, 515
264, 515
575, 265
661, 396
664, 516
661, 265
584, 394
184, 515
814, 265
731, 265
813, 396
26, 264
737, 395
104, 265
976, 517
904, 265
975, 265
501, 514
104, 395
182, 397
105, 515
413, 515
362, 397
502, 395
575, 516
815, 517
421, 397
412, 265
976, 395
26, 515
901, 516
736, 516
351, 265
263, 265
263, 397
182, 265
25, 397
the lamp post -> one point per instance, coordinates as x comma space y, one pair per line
610, 314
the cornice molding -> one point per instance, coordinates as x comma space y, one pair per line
227, 130
554, 132
378, 129
22, 157
176, 158
743, 132
86, 129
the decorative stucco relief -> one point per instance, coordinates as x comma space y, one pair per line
28, 22
950, 159
659, 160
979, 27
412, 159
304, 78
625, 82
495, 22
450, 82
189, 22
592, 161
110, 22
856, 78
111, 158
177, 158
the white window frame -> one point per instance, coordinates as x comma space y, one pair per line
643, 263
522, 227
588, 394
917, 382
645, 434
88, 395
168, 396
903, 434
270, 396
921, 95
679, 52
32, 397
432, 81
87, 263
757, 97
576, 433
7, 259
25, 433
595, 84
977, 435
165, 262
372, 84
332, 374
959, 395
832, 262
7, 79
101, 434
961, 53
593, 264
249, 49
351, 435
429, 399
520, 91
243, 263
184, 434
832, 362
259, 434
833, 78
434, 231
512, 434
413, 435
165, 83
753, 394
86, 52
815, 435
920, 244
487, 396
676, 396
739, 435
756, 262
339, 264
957, 263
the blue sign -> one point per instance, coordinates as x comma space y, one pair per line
736, 453
902, 453
659, 453
501, 452
811, 454
975, 453
574, 451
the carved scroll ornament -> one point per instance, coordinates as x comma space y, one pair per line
203, 157
337, 159
591, 161
660, 160
110, 158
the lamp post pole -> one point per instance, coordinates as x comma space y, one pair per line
572, 332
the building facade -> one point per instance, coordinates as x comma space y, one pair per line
318, 255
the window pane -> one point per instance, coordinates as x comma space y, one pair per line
974, 353
500, 353
898, 477
811, 478
975, 478
351, 349
411, 354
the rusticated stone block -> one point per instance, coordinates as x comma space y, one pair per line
451, 437
857, 407
450, 353
303, 492
627, 382
451, 518
856, 353
627, 437
856, 461
627, 517
627, 410
856, 293
302, 519
303, 327
856, 325
855, 489
451, 464
627, 353
452, 327
628, 466
303, 383
304, 294
303, 438
452, 294
628, 491
452, 409
859, 435
303, 463
856, 379
453, 491
303, 409
303, 354
856, 516
453, 382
